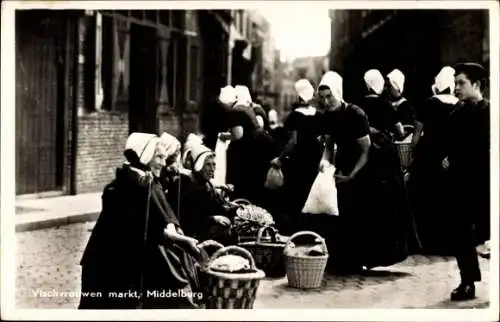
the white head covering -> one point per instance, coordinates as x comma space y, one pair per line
445, 79
144, 145
273, 116
243, 95
304, 89
200, 153
192, 141
333, 81
227, 95
374, 81
397, 80
170, 143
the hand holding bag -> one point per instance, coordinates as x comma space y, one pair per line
322, 198
274, 179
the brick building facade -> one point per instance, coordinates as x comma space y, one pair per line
88, 79
418, 42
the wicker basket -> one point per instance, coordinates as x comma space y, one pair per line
241, 201
304, 271
268, 256
405, 151
231, 290
405, 147
250, 236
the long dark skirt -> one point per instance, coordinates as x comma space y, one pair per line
248, 161
300, 172
165, 269
374, 225
429, 195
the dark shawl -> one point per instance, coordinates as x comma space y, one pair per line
115, 255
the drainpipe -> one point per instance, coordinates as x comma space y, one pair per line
77, 89
230, 52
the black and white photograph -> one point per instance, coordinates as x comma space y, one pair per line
286, 158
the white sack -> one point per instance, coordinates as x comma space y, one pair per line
322, 198
220, 162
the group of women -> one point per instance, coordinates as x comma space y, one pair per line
141, 246
374, 223
163, 201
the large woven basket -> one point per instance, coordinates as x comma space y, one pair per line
231, 290
268, 256
405, 148
305, 271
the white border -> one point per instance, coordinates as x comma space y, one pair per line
8, 267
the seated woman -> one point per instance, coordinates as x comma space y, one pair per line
137, 246
192, 140
202, 210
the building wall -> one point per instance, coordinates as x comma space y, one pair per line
101, 141
102, 133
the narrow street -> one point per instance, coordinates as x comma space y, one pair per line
47, 261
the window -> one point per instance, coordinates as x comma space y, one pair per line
138, 14
191, 21
172, 71
115, 63
151, 15
178, 17
164, 16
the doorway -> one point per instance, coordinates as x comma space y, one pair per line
143, 79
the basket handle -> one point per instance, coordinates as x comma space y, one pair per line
234, 249
304, 233
242, 201
208, 243
261, 232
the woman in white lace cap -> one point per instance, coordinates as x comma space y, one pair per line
427, 177
137, 244
368, 232
213, 115
250, 151
204, 213
404, 109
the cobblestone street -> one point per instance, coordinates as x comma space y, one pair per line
48, 260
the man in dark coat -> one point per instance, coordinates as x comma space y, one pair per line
467, 151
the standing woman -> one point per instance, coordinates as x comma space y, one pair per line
346, 127
383, 119
301, 156
370, 231
213, 117
137, 245
389, 195
427, 177
249, 152
404, 109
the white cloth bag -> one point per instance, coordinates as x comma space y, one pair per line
220, 162
322, 198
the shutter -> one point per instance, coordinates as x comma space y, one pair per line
194, 67
99, 90
181, 71
163, 58
121, 66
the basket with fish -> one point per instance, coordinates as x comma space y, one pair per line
249, 220
305, 264
231, 279
268, 255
